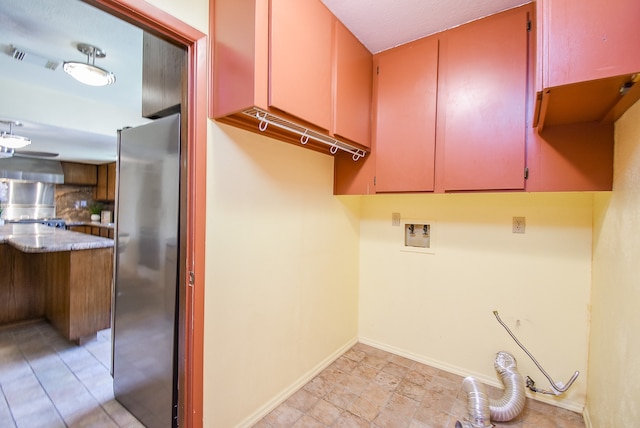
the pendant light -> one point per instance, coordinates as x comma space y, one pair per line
89, 73
10, 140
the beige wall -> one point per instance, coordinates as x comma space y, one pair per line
613, 396
438, 308
193, 12
281, 295
280, 307
282, 272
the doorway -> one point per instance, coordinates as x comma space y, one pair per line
192, 223
192, 170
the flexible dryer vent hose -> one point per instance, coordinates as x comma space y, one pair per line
482, 409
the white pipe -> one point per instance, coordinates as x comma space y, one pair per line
481, 409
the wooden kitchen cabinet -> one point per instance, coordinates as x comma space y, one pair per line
72, 289
279, 57
78, 291
482, 95
587, 53
105, 189
162, 68
81, 229
105, 232
22, 288
405, 116
111, 181
79, 173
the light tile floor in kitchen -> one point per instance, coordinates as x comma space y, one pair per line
48, 382
368, 387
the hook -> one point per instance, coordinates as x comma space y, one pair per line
411, 230
425, 230
305, 138
358, 154
334, 149
263, 122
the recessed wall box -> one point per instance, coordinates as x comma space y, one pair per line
418, 236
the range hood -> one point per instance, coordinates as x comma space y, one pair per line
28, 169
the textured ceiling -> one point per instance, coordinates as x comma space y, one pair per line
383, 24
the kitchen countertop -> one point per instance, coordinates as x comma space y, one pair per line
70, 223
38, 238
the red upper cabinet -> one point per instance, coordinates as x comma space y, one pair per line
352, 89
405, 88
301, 60
587, 53
588, 40
282, 58
482, 94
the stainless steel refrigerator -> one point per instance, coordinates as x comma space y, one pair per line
145, 329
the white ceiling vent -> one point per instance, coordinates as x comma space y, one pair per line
33, 58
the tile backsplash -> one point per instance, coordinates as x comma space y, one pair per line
69, 202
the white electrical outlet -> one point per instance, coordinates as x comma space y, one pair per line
518, 225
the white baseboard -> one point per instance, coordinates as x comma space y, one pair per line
586, 418
288, 392
566, 404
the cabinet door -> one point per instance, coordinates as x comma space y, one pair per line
589, 40
111, 181
162, 64
79, 173
352, 101
481, 104
405, 88
100, 193
300, 60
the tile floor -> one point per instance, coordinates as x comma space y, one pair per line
48, 382
368, 387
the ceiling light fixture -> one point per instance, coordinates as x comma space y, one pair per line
10, 140
6, 152
89, 73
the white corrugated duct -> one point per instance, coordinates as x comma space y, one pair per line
482, 409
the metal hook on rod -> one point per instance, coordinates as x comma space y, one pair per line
304, 139
263, 122
557, 388
334, 149
357, 155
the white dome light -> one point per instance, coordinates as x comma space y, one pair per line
89, 73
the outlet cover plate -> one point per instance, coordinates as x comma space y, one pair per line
518, 225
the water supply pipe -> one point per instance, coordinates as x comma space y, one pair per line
557, 388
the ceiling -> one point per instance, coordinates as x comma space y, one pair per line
80, 122
383, 24
58, 113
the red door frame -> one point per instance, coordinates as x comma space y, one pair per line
152, 19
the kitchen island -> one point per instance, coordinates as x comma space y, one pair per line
61, 275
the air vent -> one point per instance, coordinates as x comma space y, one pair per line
33, 58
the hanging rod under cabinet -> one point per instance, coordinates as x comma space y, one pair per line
266, 119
